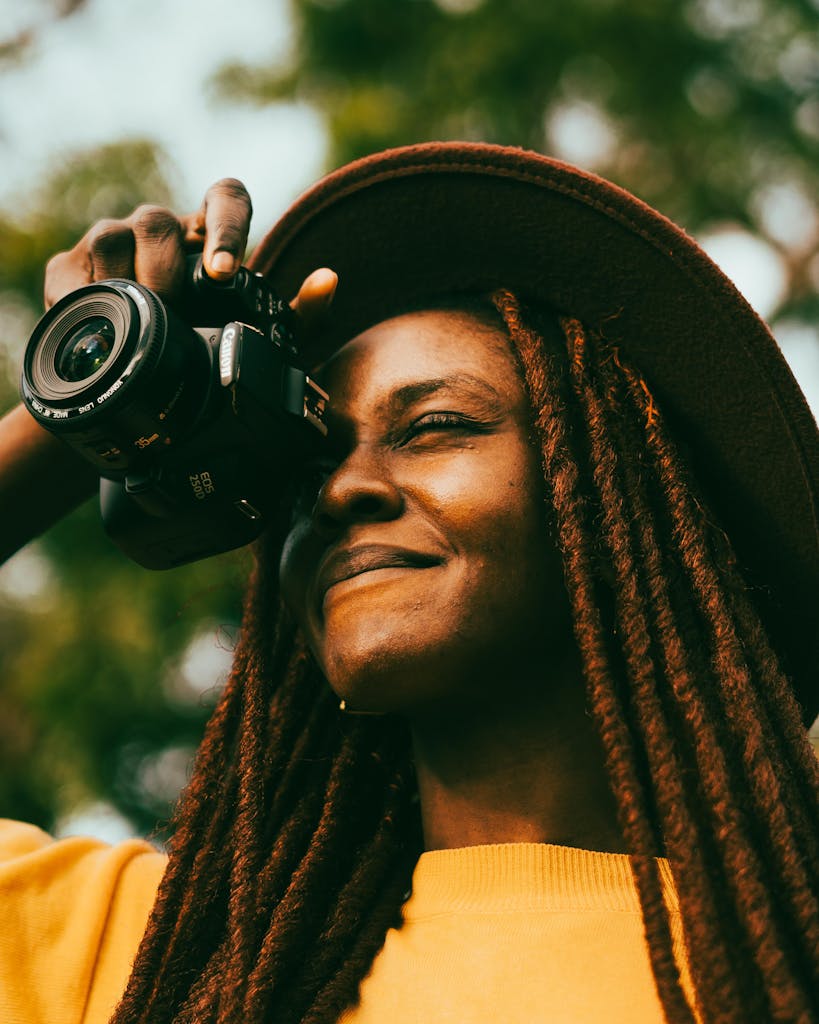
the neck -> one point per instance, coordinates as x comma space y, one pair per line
527, 767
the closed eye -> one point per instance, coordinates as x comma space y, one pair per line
444, 422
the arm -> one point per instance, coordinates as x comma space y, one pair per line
41, 478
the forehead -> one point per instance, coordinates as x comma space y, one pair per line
425, 345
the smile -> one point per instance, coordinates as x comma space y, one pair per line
347, 564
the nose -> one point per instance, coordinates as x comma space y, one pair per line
358, 490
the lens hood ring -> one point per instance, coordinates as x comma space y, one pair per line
138, 320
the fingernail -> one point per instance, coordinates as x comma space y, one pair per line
223, 262
322, 278
332, 291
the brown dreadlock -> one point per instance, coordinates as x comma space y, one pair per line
296, 839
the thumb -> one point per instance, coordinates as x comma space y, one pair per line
314, 298
221, 226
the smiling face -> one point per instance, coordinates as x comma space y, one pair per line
425, 575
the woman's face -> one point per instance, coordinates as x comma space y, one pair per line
423, 573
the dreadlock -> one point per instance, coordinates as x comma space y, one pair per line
295, 841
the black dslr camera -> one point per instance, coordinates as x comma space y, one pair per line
193, 430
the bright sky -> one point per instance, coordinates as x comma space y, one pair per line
140, 67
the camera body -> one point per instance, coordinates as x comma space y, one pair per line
194, 430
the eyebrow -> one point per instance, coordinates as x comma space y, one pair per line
462, 383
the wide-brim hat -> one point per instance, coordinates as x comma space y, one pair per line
403, 226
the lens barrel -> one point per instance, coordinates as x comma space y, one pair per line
49, 367
111, 369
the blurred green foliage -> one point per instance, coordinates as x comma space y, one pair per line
708, 109
94, 696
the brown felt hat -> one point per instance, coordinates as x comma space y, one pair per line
406, 225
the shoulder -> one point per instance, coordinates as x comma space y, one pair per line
74, 911
80, 869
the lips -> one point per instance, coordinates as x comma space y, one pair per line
346, 563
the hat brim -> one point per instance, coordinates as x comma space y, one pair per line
409, 224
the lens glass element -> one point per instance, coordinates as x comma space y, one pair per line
86, 350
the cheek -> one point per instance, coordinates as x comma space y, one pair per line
294, 571
507, 564
521, 571
492, 513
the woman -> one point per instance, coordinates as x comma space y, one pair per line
572, 676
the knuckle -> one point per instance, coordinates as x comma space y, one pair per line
154, 221
107, 237
104, 227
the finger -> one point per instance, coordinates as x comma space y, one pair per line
226, 214
159, 256
193, 229
312, 304
66, 272
106, 250
110, 245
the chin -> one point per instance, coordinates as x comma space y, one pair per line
394, 673
379, 655
374, 677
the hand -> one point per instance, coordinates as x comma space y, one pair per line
41, 478
150, 247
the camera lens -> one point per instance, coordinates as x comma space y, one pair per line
117, 373
78, 343
86, 350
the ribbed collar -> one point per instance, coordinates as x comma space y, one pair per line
526, 876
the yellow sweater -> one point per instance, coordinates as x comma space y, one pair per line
509, 934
